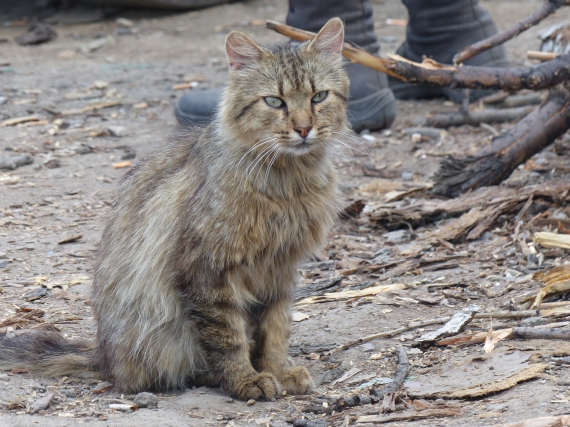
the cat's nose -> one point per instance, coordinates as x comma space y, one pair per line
303, 131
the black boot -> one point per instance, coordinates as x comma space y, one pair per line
371, 104
439, 29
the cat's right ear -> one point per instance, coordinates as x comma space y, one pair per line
240, 50
330, 39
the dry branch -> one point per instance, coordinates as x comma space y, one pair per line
429, 72
557, 421
477, 117
540, 333
475, 49
492, 164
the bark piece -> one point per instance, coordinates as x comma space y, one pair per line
552, 240
337, 296
455, 325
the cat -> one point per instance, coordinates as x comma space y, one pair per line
198, 262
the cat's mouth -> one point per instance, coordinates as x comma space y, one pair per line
302, 147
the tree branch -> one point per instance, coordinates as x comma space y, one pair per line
432, 73
496, 162
548, 7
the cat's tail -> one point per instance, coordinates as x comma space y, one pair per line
45, 351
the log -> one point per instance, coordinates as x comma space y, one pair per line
477, 117
475, 49
540, 333
492, 164
430, 72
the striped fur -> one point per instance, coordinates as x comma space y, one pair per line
199, 258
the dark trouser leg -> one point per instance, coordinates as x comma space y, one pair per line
439, 29
371, 104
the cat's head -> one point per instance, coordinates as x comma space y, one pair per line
287, 98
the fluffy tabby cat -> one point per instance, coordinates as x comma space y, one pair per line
198, 262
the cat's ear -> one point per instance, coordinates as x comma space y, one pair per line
240, 50
331, 37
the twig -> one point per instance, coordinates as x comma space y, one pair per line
545, 10
541, 56
414, 325
401, 373
408, 416
432, 73
560, 420
476, 117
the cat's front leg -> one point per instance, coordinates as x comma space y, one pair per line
223, 338
270, 354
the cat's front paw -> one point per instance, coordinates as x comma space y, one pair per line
297, 381
262, 385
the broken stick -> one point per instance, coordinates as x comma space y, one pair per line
545, 10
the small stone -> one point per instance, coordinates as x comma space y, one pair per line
118, 131
4, 377
102, 387
250, 402
398, 236
36, 294
124, 22
146, 400
407, 176
3, 100
368, 347
2, 255
4, 264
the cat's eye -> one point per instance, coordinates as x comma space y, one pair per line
274, 102
320, 97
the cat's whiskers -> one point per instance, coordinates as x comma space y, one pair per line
264, 154
277, 152
255, 146
344, 138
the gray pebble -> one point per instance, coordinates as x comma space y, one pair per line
146, 400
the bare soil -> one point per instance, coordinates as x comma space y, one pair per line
63, 194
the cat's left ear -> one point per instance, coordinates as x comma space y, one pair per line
331, 37
240, 50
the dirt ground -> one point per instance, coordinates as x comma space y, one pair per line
103, 93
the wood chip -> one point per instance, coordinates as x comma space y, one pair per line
70, 239
337, 296
18, 120
552, 240
125, 164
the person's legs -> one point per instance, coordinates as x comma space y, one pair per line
371, 104
439, 29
